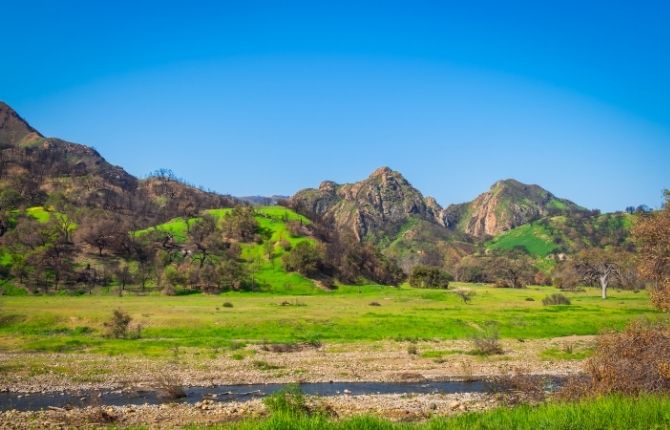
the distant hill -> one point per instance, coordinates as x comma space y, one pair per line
263, 200
508, 204
35, 169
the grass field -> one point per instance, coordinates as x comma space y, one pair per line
61, 323
614, 412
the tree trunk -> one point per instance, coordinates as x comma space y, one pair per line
603, 286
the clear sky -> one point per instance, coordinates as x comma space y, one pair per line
265, 98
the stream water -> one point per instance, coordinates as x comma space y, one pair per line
223, 393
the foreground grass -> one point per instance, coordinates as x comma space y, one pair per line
613, 412
56, 323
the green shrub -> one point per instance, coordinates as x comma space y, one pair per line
555, 299
429, 277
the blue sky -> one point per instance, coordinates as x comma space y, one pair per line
270, 97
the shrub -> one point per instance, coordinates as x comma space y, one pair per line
555, 299
487, 340
305, 258
374, 304
465, 295
412, 349
632, 362
169, 387
117, 326
519, 387
289, 400
429, 277
227, 305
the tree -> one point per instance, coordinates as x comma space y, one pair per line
652, 235
123, 275
511, 272
599, 266
565, 276
429, 277
472, 269
240, 224
100, 230
63, 225
204, 236
304, 258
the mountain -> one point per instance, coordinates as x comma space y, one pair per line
264, 200
35, 169
508, 204
388, 211
374, 208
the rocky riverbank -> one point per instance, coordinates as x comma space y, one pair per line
399, 407
375, 361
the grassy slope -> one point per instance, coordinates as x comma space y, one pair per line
612, 412
539, 238
267, 272
55, 323
533, 237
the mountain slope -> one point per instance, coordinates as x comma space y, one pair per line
508, 204
36, 170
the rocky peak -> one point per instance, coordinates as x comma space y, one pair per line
328, 187
375, 207
508, 204
13, 128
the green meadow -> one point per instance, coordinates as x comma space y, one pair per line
348, 314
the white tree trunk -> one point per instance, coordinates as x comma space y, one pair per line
603, 286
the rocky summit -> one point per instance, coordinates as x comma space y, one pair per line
508, 204
373, 208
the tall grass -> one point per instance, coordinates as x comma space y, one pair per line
612, 412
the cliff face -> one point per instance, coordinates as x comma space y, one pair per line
508, 204
373, 208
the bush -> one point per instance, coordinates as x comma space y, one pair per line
632, 362
555, 299
519, 387
169, 387
289, 400
487, 340
429, 277
117, 326
305, 258
227, 305
465, 295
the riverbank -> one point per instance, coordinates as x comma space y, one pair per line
387, 361
399, 407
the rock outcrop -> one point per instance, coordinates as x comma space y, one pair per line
508, 204
374, 208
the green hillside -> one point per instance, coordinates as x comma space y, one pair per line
533, 237
267, 270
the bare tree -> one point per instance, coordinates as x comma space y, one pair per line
598, 266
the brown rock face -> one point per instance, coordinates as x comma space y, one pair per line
508, 204
373, 208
